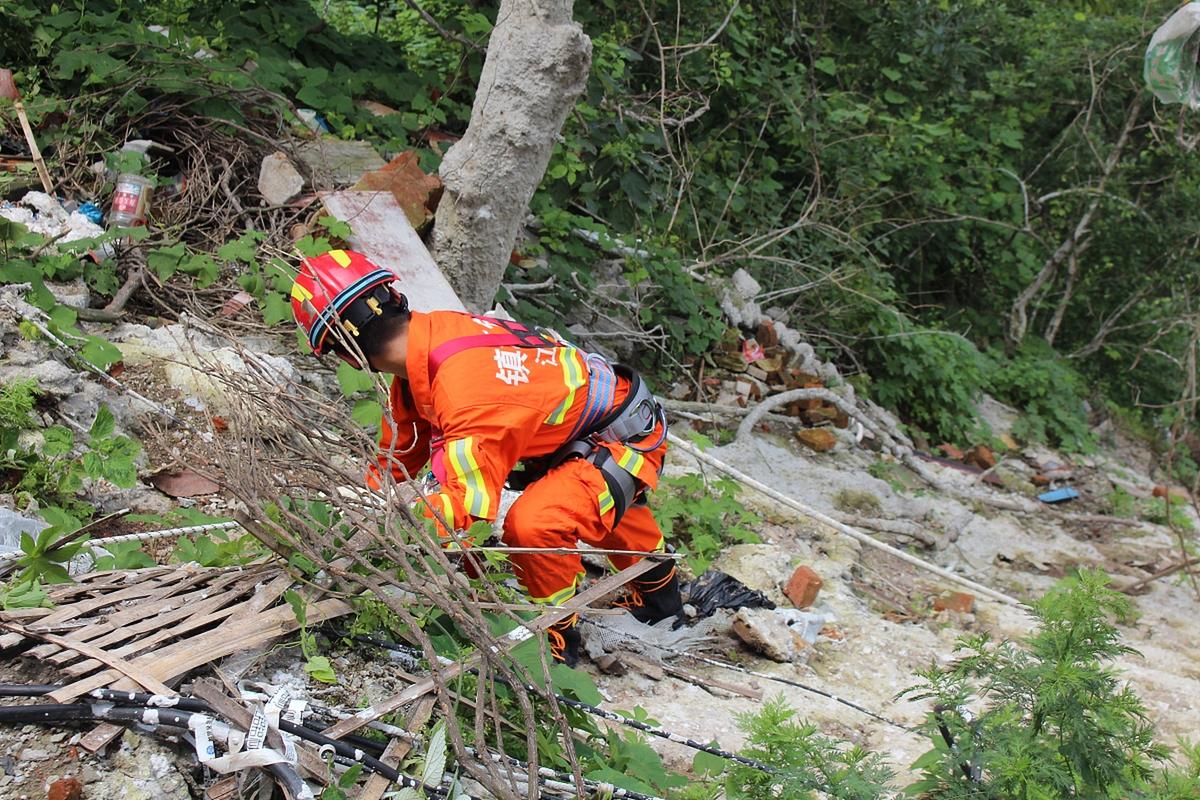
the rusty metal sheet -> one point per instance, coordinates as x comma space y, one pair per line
382, 232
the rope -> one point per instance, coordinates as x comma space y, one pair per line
840, 527
141, 537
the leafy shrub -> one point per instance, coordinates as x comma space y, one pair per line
932, 377
702, 516
1049, 717
43, 466
1049, 394
808, 764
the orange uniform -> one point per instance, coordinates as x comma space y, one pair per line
488, 407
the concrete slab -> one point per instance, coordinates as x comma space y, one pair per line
382, 232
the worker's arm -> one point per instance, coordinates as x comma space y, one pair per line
404, 439
482, 445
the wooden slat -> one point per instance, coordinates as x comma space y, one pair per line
397, 749
176, 659
549, 617
137, 673
100, 633
201, 617
65, 613
160, 622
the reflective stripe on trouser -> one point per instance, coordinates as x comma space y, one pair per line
558, 510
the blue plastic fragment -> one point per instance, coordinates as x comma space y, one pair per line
1058, 495
91, 211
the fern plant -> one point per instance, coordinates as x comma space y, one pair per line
1051, 716
808, 765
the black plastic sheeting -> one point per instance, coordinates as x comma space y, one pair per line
715, 589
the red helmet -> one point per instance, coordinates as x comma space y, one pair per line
341, 288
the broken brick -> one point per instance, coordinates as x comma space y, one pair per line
65, 789
820, 439
981, 456
961, 602
1040, 480
416, 192
1173, 491
820, 414
804, 585
766, 334
950, 451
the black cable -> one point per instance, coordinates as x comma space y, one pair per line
25, 690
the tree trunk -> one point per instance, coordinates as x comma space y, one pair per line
537, 65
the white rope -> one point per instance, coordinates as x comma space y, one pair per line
148, 535
842, 528
141, 537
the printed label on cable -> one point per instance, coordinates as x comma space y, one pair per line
201, 725
258, 731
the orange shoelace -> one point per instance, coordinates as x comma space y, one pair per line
558, 643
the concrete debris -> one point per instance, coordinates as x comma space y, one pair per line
192, 362
621, 632
338, 162
12, 525
278, 179
782, 634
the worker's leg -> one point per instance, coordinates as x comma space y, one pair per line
555, 512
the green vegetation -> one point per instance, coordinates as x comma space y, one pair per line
1049, 717
702, 516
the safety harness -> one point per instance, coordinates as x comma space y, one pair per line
634, 419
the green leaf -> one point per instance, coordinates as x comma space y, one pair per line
103, 425
64, 316
575, 683
708, 764
894, 97
827, 65
336, 228
435, 756
57, 440
353, 380
276, 308
165, 261
367, 413
320, 669
244, 249
100, 353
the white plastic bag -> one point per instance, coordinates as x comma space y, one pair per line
1170, 66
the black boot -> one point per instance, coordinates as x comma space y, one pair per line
654, 596
565, 641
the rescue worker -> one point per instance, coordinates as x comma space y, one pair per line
474, 396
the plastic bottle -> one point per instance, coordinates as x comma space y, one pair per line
131, 200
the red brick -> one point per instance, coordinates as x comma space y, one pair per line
65, 789
819, 439
981, 456
955, 601
950, 451
803, 586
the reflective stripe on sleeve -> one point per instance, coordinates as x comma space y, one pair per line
462, 460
